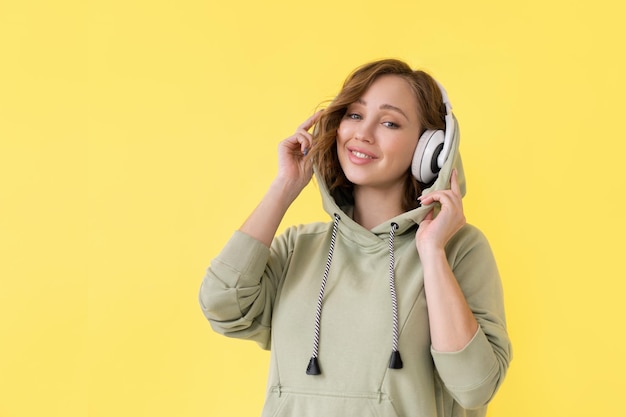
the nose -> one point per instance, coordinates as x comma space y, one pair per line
364, 132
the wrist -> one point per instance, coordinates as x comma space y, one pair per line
429, 252
284, 191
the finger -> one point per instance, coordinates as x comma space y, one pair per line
308, 123
293, 143
304, 141
429, 198
304, 134
444, 198
454, 183
425, 222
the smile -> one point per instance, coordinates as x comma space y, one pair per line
360, 155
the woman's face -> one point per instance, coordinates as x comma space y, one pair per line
377, 137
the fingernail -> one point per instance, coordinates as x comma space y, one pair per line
306, 151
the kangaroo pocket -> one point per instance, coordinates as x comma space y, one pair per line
285, 402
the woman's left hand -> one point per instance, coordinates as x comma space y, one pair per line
435, 232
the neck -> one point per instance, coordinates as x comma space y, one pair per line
374, 206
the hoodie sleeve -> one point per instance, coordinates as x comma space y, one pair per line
473, 374
238, 291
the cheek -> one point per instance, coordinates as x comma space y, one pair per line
403, 150
411, 149
342, 133
340, 144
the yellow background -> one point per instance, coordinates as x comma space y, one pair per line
135, 136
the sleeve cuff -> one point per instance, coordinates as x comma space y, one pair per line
469, 367
245, 255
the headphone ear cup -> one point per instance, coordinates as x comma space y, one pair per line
424, 166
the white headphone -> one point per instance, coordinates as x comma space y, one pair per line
433, 147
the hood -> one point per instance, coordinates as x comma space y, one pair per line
407, 220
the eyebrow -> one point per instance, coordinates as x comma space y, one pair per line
386, 107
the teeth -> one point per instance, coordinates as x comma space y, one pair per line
361, 155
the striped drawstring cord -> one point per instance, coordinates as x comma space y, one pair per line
395, 361
313, 368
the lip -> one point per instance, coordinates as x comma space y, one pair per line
359, 161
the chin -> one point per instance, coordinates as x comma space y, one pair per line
358, 179
352, 176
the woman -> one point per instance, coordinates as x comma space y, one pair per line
397, 270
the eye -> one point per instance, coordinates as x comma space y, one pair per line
353, 116
391, 125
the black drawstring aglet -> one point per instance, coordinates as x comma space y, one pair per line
314, 367
395, 362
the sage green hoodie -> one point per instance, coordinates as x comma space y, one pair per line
270, 295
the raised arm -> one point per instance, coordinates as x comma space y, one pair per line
452, 323
240, 285
470, 345
294, 173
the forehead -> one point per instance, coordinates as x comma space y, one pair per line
391, 89
393, 83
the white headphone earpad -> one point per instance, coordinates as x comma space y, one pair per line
424, 166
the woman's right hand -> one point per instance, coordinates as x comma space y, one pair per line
294, 169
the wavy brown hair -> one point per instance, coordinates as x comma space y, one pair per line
431, 115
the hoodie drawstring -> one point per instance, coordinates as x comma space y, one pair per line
313, 368
395, 361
